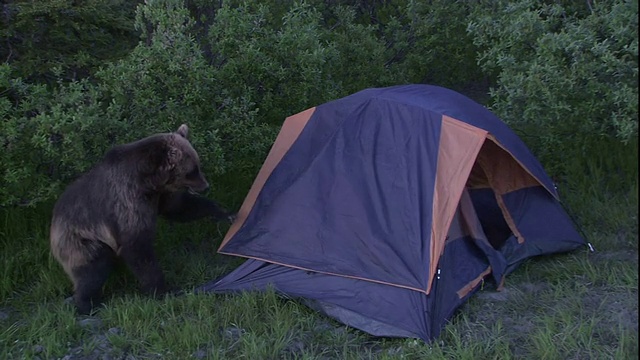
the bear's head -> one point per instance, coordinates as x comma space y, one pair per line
177, 165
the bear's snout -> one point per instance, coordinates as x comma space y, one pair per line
199, 186
204, 188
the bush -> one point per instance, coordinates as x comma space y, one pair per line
53, 135
566, 74
50, 135
234, 70
70, 37
438, 48
288, 64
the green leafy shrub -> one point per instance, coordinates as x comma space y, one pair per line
288, 64
435, 46
50, 136
165, 80
234, 70
567, 74
74, 37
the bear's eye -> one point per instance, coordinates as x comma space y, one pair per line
193, 173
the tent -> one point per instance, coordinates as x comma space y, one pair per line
388, 208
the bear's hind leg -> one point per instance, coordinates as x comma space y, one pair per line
88, 279
140, 258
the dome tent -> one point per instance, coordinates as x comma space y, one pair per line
386, 210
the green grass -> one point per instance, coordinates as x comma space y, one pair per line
580, 305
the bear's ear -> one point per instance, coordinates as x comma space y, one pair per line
183, 131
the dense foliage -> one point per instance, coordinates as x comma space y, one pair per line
80, 76
566, 74
44, 40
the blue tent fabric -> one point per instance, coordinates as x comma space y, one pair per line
377, 309
326, 189
355, 302
439, 100
551, 219
345, 219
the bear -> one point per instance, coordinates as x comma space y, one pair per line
110, 213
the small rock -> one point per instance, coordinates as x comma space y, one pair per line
295, 346
102, 343
200, 354
233, 332
114, 331
37, 349
90, 323
3, 315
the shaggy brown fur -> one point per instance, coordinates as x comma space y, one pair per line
112, 210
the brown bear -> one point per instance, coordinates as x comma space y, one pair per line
111, 212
